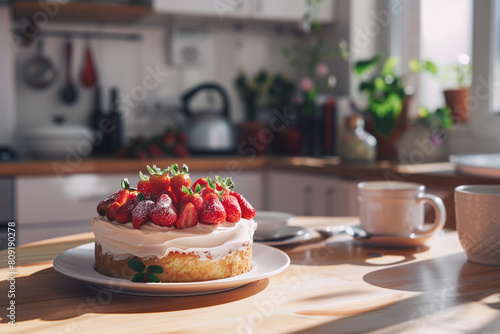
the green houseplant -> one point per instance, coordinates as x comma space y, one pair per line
388, 98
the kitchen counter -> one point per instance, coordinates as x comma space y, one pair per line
334, 285
442, 174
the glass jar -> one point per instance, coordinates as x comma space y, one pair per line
357, 145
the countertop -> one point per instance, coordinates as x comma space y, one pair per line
441, 174
334, 285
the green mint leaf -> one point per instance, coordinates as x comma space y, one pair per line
139, 277
155, 269
141, 196
136, 265
152, 278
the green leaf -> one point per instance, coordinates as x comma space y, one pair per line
218, 178
175, 168
414, 65
229, 183
136, 264
155, 269
152, 278
125, 184
185, 169
141, 196
211, 183
362, 66
151, 170
389, 66
197, 188
143, 177
186, 190
139, 277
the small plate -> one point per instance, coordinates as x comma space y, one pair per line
478, 164
79, 263
290, 235
391, 241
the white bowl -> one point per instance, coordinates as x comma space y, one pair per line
271, 223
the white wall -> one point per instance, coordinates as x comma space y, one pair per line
123, 64
7, 103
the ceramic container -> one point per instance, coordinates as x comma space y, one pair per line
477, 209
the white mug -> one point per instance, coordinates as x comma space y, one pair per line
477, 210
397, 208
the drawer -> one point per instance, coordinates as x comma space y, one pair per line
42, 199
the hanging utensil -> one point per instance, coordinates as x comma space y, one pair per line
68, 93
88, 75
39, 72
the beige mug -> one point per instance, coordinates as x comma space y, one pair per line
397, 209
477, 209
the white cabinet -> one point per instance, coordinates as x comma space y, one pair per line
271, 10
290, 10
211, 8
310, 195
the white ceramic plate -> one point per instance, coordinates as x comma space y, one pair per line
301, 234
271, 223
478, 164
79, 262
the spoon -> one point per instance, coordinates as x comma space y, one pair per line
68, 92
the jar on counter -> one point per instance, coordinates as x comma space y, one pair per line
357, 145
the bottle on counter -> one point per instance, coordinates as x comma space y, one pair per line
357, 145
114, 142
97, 124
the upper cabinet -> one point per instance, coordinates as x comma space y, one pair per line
270, 10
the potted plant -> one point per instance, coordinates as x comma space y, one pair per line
458, 97
388, 99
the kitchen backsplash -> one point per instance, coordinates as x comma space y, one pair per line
133, 66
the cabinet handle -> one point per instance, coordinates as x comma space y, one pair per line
307, 200
329, 193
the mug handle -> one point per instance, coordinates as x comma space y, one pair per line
439, 209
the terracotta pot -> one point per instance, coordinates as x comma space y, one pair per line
458, 101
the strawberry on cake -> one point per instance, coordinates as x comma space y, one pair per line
167, 230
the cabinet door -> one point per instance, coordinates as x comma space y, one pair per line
213, 8
309, 195
42, 199
290, 10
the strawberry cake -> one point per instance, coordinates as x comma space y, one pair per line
167, 230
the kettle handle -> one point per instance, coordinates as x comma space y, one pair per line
209, 85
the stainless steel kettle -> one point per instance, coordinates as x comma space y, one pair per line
208, 132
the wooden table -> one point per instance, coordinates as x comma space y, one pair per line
331, 286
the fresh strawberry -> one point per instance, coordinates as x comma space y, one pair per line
169, 193
144, 185
178, 180
182, 138
233, 210
168, 139
105, 203
124, 213
188, 217
159, 179
192, 197
201, 181
110, 212
140, 214
247, 210
205, 191
212, 212
163, 212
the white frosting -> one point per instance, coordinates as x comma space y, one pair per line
210, 242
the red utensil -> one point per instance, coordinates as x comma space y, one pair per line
88, 75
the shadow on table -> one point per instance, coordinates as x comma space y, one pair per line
48, 295
442, 283
349, 251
